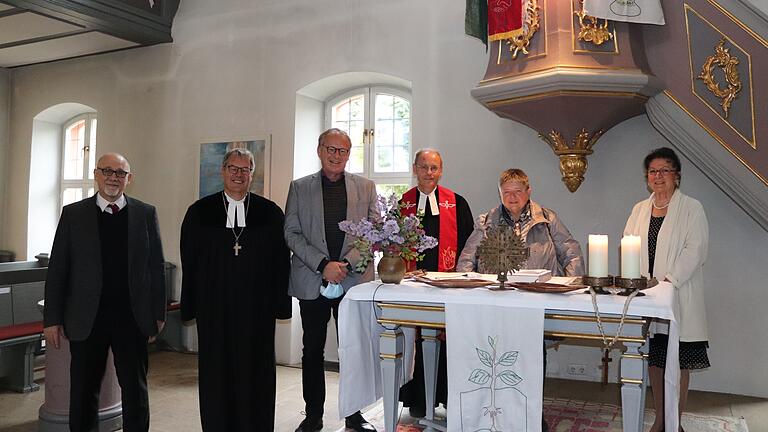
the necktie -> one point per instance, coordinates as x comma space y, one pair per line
114, 208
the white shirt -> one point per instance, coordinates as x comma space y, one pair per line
432, 202
235, 211
103, 203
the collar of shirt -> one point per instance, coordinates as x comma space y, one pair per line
520, 224
103, 203
235, 211
423, 197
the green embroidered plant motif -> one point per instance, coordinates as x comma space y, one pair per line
498, 376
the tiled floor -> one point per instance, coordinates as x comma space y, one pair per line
173, 396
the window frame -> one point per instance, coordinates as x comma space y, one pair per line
83, 183
369, 92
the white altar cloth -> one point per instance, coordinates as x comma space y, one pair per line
360, 374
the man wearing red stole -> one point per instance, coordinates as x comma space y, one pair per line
448, 218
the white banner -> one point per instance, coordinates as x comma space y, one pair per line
495, 368
635, 11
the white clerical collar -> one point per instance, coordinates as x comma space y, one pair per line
235, 211
104, 204
432, 202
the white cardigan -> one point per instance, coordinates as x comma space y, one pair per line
681, 250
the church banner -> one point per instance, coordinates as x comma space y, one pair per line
635, 11
505, 19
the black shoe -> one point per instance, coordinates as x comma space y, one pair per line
357, 423
417, 412
310, 425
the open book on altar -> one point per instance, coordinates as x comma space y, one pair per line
532, 275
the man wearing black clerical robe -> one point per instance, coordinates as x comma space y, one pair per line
235, 279
448, 218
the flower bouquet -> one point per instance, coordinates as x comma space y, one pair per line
388, 232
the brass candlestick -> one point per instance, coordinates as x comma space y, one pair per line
598, 284
631, 284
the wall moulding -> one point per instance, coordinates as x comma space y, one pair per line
697, 29
708, 47
747, 188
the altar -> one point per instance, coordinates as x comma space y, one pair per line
374, 354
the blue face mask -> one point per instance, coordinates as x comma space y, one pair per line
332, 291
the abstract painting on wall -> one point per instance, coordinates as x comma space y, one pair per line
211, 155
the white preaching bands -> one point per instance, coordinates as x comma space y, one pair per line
432, 203
235, 211
236, 214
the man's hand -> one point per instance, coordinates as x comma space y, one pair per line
54, 335
160, 326
335, 271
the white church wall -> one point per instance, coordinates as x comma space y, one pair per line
45, 168
235, 67
5, 101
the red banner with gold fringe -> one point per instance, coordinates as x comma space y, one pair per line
505, 19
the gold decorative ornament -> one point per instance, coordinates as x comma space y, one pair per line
590, 28
573, 157
531, 25
502, 250
729, 65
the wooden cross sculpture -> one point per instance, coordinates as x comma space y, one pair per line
502, 250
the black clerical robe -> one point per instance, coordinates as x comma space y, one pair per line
235, 300
464, 226
412, 393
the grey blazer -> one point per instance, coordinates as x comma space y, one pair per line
74, 280
305, 231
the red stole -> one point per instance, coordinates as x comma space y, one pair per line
447, 243
505, 19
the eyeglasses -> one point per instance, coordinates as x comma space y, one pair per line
428, 168
107, 172
336, 150
663, 172
234, 169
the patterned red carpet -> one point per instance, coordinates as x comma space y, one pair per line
567, 415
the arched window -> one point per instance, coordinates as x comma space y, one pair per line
78, 158
378, 120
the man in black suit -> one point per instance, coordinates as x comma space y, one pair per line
105, 289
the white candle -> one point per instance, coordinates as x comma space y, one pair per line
630, 257
598, 255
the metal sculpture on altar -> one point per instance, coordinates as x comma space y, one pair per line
501, 251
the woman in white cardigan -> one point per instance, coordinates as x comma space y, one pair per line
674, 236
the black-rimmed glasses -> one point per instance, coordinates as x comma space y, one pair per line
336, 150
234, 169
107, 172
663, 172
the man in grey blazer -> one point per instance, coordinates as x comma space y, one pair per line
105, 288
323, 260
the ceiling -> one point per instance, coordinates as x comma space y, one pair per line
31, 33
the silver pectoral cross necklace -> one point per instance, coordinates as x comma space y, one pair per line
237, 235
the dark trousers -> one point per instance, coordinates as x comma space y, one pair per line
314, 321
412, 393
89, 360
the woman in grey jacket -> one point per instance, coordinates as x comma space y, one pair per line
552, 246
